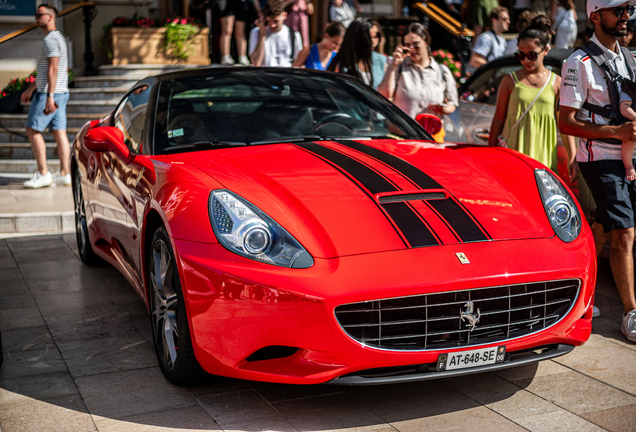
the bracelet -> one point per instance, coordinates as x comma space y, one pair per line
50, 95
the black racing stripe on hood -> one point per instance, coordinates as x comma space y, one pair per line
419, 177
414, 230
459, 220
456, 215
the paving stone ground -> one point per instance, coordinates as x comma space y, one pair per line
77, 357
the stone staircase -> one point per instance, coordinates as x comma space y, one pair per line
91, 98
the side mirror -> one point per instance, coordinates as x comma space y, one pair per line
433, 125
107, 138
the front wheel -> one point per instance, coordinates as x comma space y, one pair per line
84, 247
170, 330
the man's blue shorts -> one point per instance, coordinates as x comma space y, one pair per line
39, 121
614, 195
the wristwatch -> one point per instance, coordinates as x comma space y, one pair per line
50, 95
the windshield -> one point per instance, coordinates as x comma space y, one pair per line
252, 107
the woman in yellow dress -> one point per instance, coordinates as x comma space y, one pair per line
525, 116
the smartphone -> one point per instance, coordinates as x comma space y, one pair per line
56, 107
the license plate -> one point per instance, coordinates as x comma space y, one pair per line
472, 358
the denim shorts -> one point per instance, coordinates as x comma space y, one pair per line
39, 121
614, 195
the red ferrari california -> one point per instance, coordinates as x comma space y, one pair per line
294, 226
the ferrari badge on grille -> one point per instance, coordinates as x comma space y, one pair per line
462, 257
469, 316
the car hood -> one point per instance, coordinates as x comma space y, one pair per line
354, 197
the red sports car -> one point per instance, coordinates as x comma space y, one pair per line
294, 226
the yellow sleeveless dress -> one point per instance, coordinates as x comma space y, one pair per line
536, 133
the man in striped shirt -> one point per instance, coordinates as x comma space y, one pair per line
48, 107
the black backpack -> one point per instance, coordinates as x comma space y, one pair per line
613, 79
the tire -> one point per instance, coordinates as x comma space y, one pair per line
84, 247
168, 319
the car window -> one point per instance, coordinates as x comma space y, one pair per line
260, 107
130, 116
484, 87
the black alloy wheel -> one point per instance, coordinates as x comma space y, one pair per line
170, 330
84, 247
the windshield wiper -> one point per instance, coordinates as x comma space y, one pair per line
205, 144
286, 140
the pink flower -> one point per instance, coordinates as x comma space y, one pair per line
184, 21
175, 21
442, 55
458, 64
457, 74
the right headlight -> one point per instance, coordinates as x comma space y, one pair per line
559, 206
246, 230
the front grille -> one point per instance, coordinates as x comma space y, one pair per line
433, 321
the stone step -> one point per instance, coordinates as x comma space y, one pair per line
22, 167
18, 135
113, 94
103, 81
98, 107
140, 71
23, 151
18, 121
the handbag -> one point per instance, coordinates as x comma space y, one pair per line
503, 142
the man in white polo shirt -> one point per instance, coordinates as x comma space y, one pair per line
585, 95
48, 107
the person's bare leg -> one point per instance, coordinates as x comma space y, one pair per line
227, 23
63, 150
241, 42
627, 152
39, 149
622, 263
600, 237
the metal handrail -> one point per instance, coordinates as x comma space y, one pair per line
442, 18
32, 26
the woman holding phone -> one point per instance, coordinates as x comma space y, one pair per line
417, 83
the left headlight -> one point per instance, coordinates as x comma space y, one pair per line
244, 229
559, 205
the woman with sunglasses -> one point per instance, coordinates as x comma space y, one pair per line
525, 115
417, 83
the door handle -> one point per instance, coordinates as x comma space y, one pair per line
482, 134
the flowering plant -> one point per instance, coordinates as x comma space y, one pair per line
16, 85
444, 57
139, 22
179, 31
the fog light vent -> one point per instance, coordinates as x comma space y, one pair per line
272, 352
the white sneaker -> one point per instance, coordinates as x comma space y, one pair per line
243, 60
38, 180
629, 325
227, 60
596, 312
62, 180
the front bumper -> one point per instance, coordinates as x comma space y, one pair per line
237, 307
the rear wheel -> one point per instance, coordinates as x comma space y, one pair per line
84, 247
170, 330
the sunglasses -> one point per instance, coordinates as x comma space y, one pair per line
39, 15
620, 10
532, 56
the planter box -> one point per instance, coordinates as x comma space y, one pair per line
143, 45
10, 104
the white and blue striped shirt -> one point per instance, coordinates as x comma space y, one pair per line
54, 46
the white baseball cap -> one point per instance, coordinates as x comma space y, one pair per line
594, 5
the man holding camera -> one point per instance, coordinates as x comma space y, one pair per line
272, 43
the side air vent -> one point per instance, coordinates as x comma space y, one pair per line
272, 352
411, 197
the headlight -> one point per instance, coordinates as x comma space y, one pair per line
559, 205
247, 231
